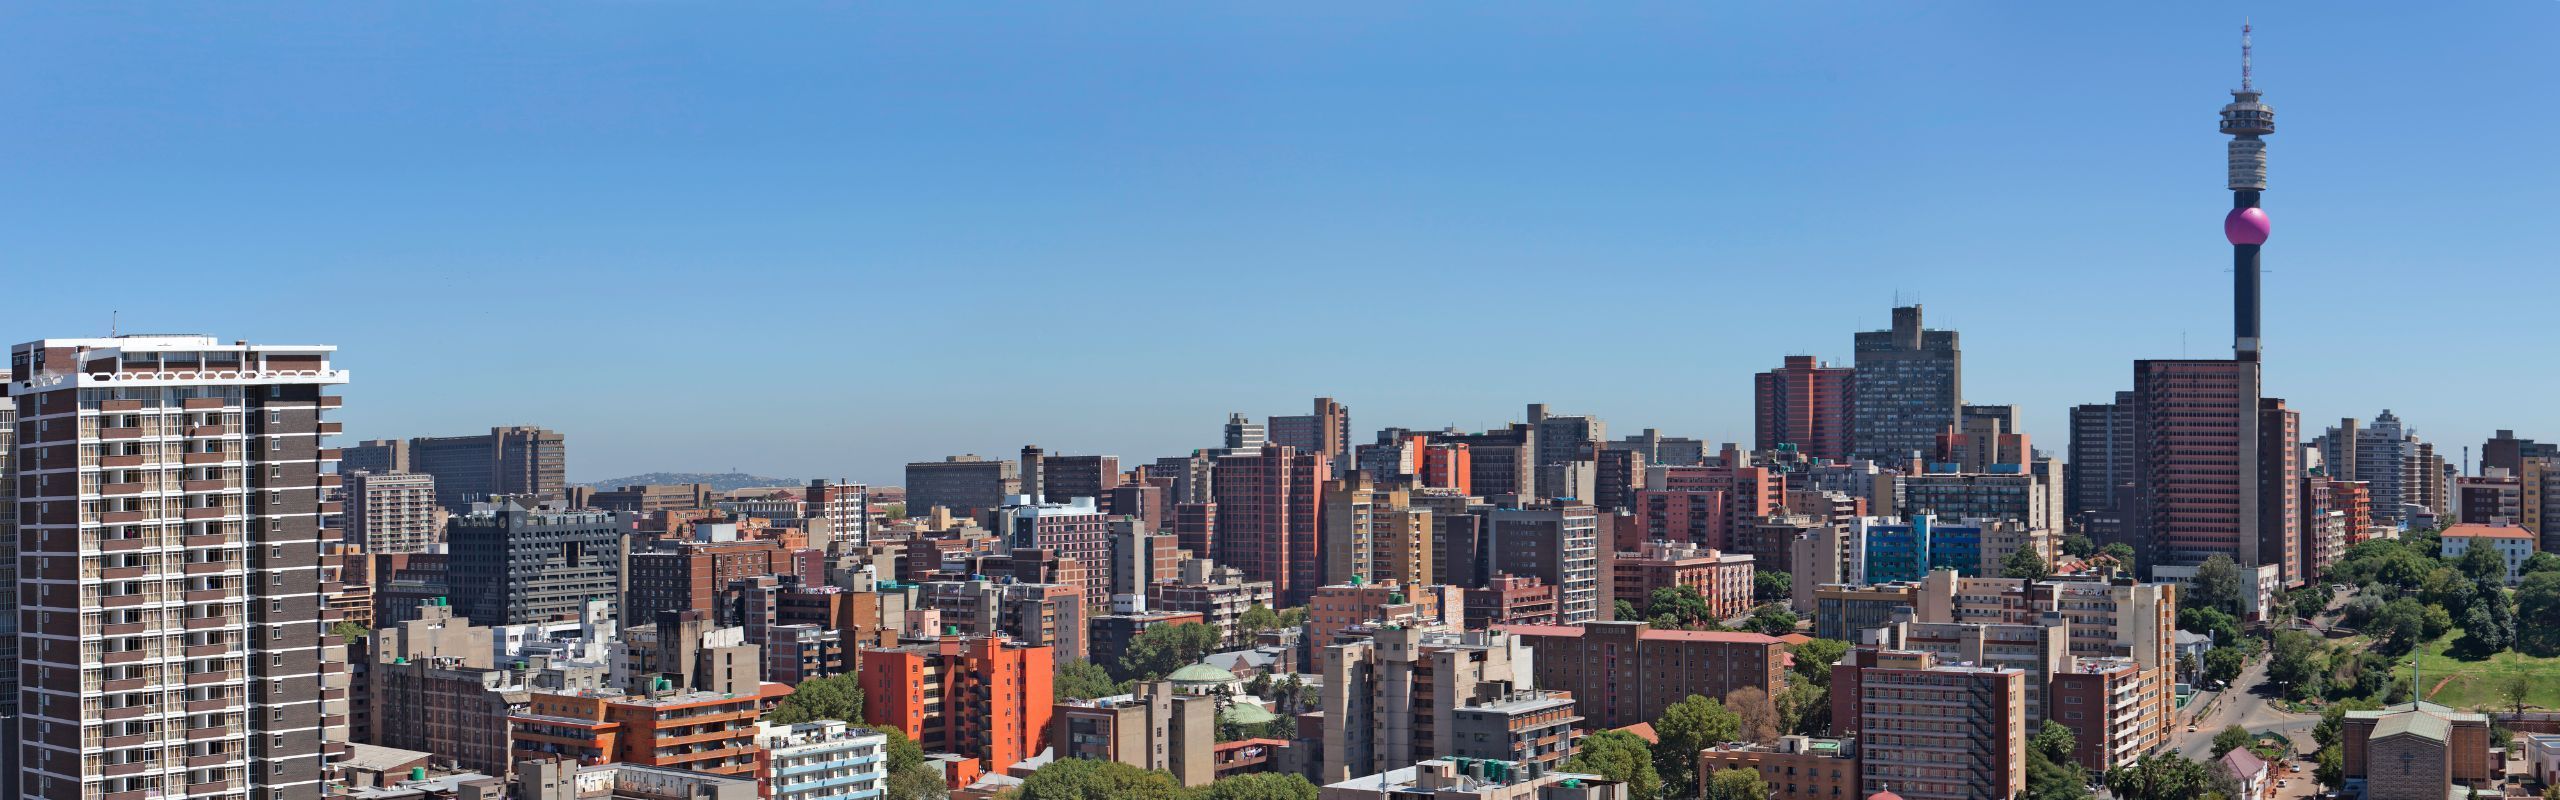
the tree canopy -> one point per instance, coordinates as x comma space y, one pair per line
2218, 585
1084, 680
1619, 756
1257, 619
2053, 769
1693, 724
1258, 786
1735, 783
2160, 776
1160, 650
1096, 779
1772, 619
2025, 563
837, 697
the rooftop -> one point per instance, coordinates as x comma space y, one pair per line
2479, 531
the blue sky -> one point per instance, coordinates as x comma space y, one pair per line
828, 239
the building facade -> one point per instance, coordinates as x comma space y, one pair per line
172, 492
1909, 388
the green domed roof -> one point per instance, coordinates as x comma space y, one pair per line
1202, 674
1246, 714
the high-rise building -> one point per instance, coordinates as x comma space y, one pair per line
143, 460
1931, 730
822, 760
1152, 727
966, 484
1393, 699
1665, 450
392, 512
1499, 463
1326, 431
1805, 403
691, 730
376, 455
1909, 388
1218, 593
1074, 529
1269, 505
2099, 481
1723, 579
2402, 473
701, 575
511, 565
1375, 534
1564, 440
1242, 434
515, 461
982, 697
1559, 544
9, 744
846, 508
2196, 452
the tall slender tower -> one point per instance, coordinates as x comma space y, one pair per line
2246, 119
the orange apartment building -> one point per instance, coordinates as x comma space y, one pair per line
981, 696
698, 731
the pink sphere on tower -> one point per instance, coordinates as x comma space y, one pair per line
2246, 226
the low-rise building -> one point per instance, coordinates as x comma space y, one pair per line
1511, 600
822, 760
1533, 729
2416, 751
2514, 544
695, 731
1220, 594
1795, 768
1623, 673
1724, 579
1471, 779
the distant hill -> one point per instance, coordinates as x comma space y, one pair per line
722, 481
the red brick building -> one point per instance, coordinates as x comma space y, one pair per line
1623, 673
1806, 404
1270, 502
1511, 600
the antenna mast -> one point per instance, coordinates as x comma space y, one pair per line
2244, 57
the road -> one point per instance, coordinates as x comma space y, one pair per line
2244, 704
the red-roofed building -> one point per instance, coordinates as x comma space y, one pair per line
1623, 673
2514, 544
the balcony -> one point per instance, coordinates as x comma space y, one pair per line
332, 428
202, 678
216, 512
122, 461
112, 434
201, 403
209, 595
117, 489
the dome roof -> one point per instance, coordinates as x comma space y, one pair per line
1246, 714
1201, 674
1884, 795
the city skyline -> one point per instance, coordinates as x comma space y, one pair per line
1429, 218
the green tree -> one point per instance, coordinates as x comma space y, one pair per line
2122, 553
2515, 690
1258, 786
2402, 625
2211, 622
1735, 783
1257, 619
1693, 724
2231, 738
2540, 562
1084, 680
1771, 587
2160, 776
2490, 625
2307, 602
349, 631
836, 697
1619, 756
2218, 586
1293, 617
2332, 769
910, 778
1096, 779
2223, 664
2025, 563
2078, 546
1804, 708
2294, 664
1160, 650
2053, 771
1682, 603
1772, 619
2483, 565
2538, 598
1625, 611
1813, 659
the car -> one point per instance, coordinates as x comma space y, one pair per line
2280, 783
2191, 727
